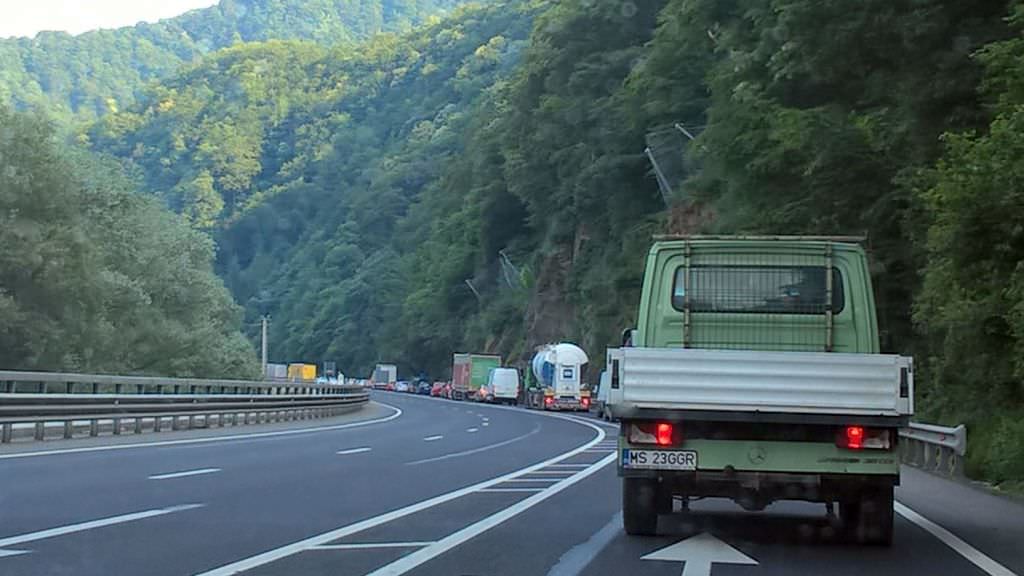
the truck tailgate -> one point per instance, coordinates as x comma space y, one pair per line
738, 380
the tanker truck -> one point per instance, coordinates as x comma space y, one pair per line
558, 369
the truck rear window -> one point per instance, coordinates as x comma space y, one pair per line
757, 289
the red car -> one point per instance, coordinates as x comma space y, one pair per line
437, 390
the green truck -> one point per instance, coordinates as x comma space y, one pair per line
754, 374
469, 374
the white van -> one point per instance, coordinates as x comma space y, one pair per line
503, 385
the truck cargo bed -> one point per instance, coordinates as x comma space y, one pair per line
758, 381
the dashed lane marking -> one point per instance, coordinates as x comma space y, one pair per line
371, 545
354, 450
184, 473
475, 450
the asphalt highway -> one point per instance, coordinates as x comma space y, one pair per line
415, 485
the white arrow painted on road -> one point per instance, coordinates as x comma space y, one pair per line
699, 553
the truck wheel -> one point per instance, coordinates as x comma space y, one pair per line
869, 520
640, 506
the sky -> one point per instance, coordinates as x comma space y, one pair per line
27, 17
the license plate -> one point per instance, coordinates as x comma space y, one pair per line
659, 459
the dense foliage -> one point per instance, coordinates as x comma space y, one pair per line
971, 306
96, 72
305, 163
97, 278
484, 183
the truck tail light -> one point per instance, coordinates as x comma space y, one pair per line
854, 437
861, 438
659, 433
663, 433
549, 400
585, 401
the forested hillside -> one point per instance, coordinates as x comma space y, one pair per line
84, 76
482, 184
97, 278
305, 172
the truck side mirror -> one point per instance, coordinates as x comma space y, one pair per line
627, 337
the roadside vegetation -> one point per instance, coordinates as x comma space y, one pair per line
97, 278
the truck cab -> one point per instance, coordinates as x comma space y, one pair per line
754, 374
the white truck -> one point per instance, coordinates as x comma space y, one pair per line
384, 376
559, 371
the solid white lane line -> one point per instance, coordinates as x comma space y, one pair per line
253, 435
338, 533
969, 552
407, 563
471, 430
570, 465
371, 545
4, 553
475, 450
184, 473
547, 480
82, 526
354, 450
432, 438
573, 562
511, 490
559, 472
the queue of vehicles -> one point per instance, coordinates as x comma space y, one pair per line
557, 368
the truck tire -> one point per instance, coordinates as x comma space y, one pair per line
869, 519
640, 504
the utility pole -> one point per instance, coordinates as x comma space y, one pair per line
263, 342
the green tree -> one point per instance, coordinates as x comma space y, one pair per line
96, 277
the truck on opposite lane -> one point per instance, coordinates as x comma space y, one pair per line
754, 374
299, 372
384, 377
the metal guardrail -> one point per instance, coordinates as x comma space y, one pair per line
13, 382
85, 402
935, 448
